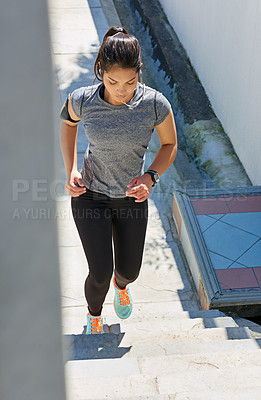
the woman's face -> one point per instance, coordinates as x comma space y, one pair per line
120, 84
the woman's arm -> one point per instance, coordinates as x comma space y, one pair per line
168, 140
164, 158
68, 142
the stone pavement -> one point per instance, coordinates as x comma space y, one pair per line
168, 349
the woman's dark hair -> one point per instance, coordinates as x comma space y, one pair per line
118, 48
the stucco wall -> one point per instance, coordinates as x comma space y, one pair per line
31, 362
222, 39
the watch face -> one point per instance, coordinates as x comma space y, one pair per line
156, 177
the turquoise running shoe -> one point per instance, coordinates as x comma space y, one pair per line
94, 324
122, 301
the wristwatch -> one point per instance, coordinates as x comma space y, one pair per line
154, 176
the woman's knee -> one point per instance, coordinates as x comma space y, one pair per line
99, 282
126, 277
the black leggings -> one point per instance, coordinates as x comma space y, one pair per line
99, 219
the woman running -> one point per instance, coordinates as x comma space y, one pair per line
109, 195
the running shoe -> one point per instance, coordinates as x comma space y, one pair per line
94, 324
122, 301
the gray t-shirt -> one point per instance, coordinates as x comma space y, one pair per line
118, 135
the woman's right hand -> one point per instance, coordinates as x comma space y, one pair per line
72, 181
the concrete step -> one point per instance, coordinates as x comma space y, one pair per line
188, 348
213, 346
155, 366
74, 318
214, 379
111, 387
255, 329
197, 335
158, 397
102, 368
115, 387
158, 366
163, 323
251, 394
151, 310
89, 347
242, 394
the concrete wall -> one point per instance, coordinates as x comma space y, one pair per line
31, 355
222, 39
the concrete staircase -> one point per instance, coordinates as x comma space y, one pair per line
196, 355
168, 348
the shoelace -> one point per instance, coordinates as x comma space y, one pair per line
96, 325
124, 297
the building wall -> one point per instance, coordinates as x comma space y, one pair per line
222, 39
32, 360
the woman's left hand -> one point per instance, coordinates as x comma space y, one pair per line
140, 187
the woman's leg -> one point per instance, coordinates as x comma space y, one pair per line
129, 222
93, 221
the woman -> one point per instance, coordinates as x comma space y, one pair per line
109, 196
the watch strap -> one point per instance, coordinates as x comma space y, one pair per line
151, 172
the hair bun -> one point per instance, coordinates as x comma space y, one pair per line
114, 30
